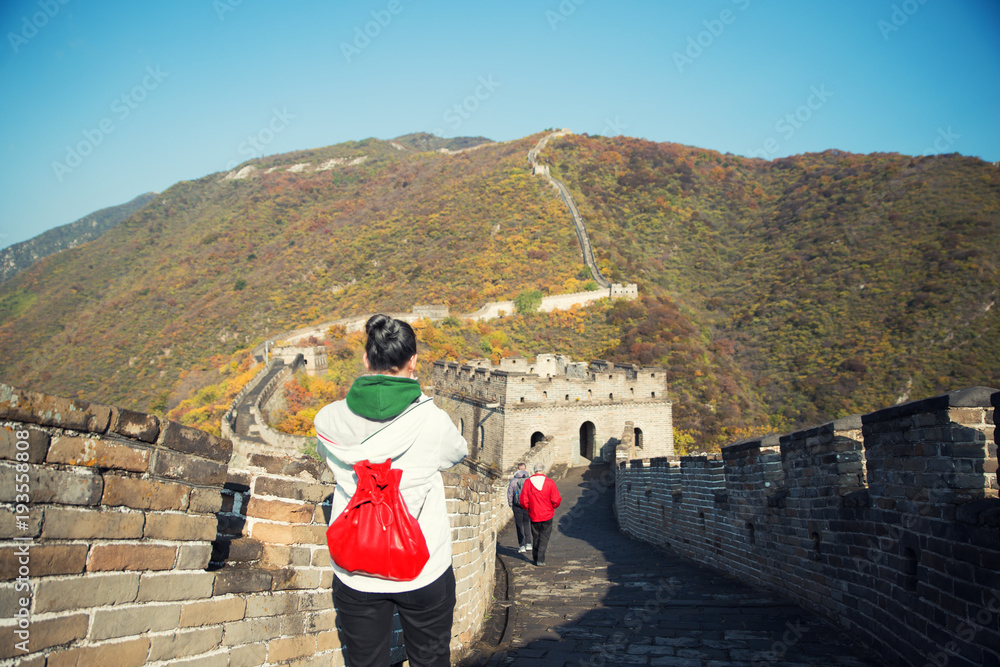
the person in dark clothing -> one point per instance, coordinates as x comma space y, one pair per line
521, 521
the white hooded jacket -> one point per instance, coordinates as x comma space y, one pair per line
421, 441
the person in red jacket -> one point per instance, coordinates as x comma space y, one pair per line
540, 497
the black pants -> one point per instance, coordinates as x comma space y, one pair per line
523, 525
365, 623
540, 532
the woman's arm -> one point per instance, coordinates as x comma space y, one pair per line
453, 447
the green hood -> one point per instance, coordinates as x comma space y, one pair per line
381, 397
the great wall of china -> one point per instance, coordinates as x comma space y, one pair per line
127, 540
492, 309
246, 415
130, 540
887, 523
581, 228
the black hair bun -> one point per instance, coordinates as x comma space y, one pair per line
391, 343
379, 324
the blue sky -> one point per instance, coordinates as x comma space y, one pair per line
103, 101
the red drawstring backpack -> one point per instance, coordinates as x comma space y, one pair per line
376, 534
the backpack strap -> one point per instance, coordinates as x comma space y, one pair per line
408, 410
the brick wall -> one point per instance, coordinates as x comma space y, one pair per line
888, 523
597, 399
538, 382
563, 423
506, 433
229, 419
313, 357
472, 504
140, 545
272, 399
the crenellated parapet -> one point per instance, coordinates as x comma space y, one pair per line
551, 378
927, 457
130, 540
504, 410
888, 523
311, 357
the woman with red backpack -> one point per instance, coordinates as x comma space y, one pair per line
386, 418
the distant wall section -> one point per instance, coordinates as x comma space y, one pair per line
887, 523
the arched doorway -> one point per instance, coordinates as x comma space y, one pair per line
638, 437
587, 440
537, 437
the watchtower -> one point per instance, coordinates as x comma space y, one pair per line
503, 410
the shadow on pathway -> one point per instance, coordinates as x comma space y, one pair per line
605, 599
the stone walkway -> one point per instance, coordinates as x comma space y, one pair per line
605, 599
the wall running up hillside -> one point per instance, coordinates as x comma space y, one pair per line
579, 225
126, 540
888, 523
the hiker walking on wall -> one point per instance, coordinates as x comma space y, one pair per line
521, 520
540, 497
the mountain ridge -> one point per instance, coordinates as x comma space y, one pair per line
19, 256
750, 270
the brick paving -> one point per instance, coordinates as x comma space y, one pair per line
605, 599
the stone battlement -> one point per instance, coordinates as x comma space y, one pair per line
888, 523
550, 378
506, 410
129, 540
313, 358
